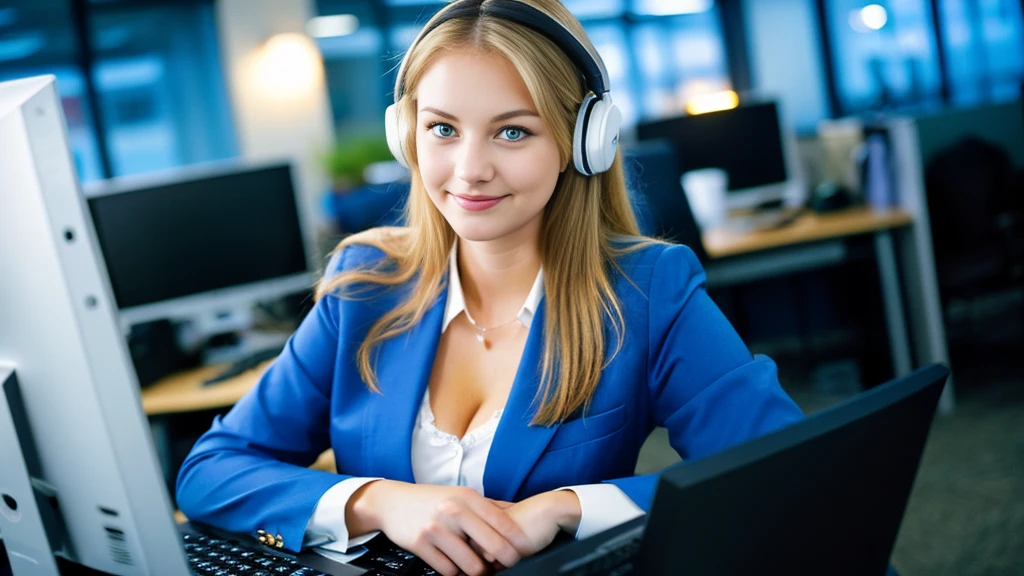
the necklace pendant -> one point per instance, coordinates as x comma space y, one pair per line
480, 338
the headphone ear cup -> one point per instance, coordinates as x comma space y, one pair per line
602, 135
579, 136
393, 132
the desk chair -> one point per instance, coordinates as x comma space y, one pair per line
653, 175
367, 206
977, 231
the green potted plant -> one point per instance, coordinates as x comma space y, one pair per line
349, 157
352, 204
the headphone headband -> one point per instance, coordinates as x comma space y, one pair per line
596, 133
589, 64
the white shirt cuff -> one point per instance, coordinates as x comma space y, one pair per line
326, 527
603, 506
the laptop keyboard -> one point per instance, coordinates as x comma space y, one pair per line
613, 558
210, 556
385, 558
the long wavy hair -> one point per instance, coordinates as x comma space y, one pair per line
587, 224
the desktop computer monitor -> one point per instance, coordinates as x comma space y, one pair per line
750, 143
202, 243
85, 485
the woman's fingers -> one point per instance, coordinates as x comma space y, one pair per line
503, 524
438, 561
481, 552
488, 540
458, 551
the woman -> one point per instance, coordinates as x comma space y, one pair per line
487, 374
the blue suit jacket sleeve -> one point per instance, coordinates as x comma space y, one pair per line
249, 469
704, 385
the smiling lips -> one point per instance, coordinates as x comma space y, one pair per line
477, 203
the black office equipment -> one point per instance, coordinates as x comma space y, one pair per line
198, 235
244, 364
824, 496
746, 142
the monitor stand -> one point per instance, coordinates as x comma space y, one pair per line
30, 519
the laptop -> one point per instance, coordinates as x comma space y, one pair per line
824, 496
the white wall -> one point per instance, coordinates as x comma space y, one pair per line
785, 58
296, 126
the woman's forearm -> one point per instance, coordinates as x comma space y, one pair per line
362, 513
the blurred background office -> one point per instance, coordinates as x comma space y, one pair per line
871, 154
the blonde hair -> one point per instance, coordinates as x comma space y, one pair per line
587, 224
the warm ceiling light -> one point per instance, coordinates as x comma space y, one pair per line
288, 65
712, 102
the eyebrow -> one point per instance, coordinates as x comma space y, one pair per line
498, 118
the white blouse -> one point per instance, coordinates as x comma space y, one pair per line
444, 459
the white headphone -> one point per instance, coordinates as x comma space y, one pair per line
596, 135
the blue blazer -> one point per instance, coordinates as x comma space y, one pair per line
682, 366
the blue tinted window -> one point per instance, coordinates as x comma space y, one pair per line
984, 48
884, 54
156, 72
161, 86
38, 38
656, 52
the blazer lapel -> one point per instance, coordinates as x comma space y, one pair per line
403, 370
517, 446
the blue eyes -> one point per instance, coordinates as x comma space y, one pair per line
442, 130
512, 133
508, 133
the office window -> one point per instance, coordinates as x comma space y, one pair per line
656, 53
884, 54
677, 58
984, 43
156, 74
359, 61
160, 84
37, 37
591, 9
610, 42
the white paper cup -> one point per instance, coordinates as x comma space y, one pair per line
705, 190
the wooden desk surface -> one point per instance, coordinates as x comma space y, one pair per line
184, 391
808, 227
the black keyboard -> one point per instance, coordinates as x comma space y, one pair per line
614, 552
613, 558
384, 558
210, 556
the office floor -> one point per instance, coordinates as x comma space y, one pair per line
966, 512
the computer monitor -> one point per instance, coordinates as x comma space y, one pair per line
201, 243
751, 143
86, 486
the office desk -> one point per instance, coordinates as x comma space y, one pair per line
814, 241
184, 391
806, 228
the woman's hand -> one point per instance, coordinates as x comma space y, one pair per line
543, 515
435, 522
